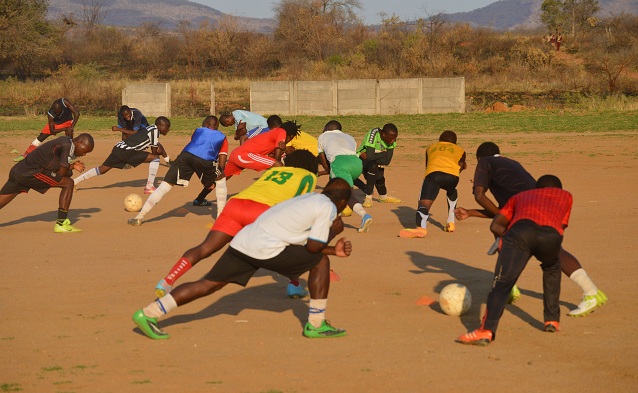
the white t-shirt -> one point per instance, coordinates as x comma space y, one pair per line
294, 221
336, 143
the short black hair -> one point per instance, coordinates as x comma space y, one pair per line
448, 136
163, 120
549, 181
302, 159
332, 125
390, 127
487, 149
273, 121
292, 129
211, 119
337, 190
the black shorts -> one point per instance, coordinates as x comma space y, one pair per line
188, 164
40, 182
433, 183
119, 158
238, 268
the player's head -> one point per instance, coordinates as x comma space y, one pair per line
448, 136
339, 192
292, 130
274, 121
332, 125
549, 181
57, 108
163, 125
227, 120
211, 122
389, 133
487, 149
126, 112
83, 144
302, 159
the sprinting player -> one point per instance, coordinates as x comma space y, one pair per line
49, 165
62, 116
205, 155
504, 178
376, 153
530, 224
274, 186
262, 151
290, 238
131, 151
444, 162
247, 124
130, 121
338, 156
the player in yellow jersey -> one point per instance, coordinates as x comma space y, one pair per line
444, 162
277, 184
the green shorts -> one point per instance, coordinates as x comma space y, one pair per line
346, 167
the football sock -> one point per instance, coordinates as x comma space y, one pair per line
422, 215
221, 192
178, 270
152, 200
62, 215
359, 210
36, 142
294, 282
152, 171
317, 312
167, 159
87, 175
581, 278
160, 307
451, 205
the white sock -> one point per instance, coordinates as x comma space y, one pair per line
152, 200
317, 312
221, 192
424, 219
167, 159
36, 142
451, 207
87, 175
581, 278
152, 171
359, 210
160, 307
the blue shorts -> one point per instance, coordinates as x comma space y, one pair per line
256, 131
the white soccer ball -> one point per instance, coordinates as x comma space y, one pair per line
455, 299
133, 203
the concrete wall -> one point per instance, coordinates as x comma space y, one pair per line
360, 96
153, 99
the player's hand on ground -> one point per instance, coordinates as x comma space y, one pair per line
343, 248
461, 213
79, 166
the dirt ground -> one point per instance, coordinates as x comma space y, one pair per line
67, 299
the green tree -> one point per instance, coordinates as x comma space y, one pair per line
567, 14
27, 39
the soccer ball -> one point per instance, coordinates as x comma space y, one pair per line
133, 203
455, 299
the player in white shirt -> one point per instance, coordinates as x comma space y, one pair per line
338, 155
290, 238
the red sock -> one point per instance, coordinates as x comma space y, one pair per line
295, 282
29, 150
181, 267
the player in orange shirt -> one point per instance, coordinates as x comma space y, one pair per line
444, 162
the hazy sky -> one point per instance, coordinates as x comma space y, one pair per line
405, 9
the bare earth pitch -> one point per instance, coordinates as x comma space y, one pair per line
67, 299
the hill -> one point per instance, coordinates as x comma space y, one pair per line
166, 14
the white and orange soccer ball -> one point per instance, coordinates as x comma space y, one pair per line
455, 299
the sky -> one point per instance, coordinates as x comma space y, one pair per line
404, 9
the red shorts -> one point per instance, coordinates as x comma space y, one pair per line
47, 131
238, 162
237, 214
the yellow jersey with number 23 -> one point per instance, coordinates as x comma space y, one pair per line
278, 184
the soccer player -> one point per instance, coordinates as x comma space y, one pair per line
338, 156
205, 155
247, 124
62, 116
49, 165
444, 162
504, 178
299, 176
131, 152
376, 153
290, 238
530, 224
262, 151
130, 121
